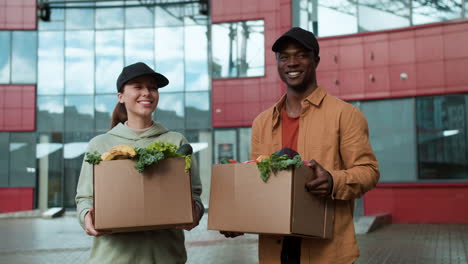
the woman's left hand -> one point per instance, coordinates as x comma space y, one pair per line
197, 215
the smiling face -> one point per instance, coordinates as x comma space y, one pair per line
140, 97
296, 66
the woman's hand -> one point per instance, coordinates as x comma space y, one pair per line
197, 215
89, 226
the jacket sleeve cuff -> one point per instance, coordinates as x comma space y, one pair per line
81, 217
339, 181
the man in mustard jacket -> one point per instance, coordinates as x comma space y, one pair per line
332, 134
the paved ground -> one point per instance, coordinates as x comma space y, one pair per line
61, 240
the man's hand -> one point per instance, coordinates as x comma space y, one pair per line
89, 226
322, 185
197, 215
231, 234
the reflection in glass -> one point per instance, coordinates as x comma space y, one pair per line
24, 57
139, 46
170, 110
57, 20
22, 160
378, 14
79, 113
79, 62
109, 60
337, 17
167, 16
79, 18
5, 56
50, 63
245, 42
103, 106
435, 11
442, 140
196, 58
225, 142
169, 56
4, 158
244, 143
109, 18
393, 137
139, 17
197, 109
50, 113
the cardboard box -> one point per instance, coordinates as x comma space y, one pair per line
126, 200
240, 201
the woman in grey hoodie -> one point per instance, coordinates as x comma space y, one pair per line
132, 125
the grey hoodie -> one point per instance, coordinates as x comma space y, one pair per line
158, 246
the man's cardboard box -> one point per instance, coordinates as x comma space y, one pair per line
240, 201
126, 200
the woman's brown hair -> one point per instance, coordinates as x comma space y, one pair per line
119, 115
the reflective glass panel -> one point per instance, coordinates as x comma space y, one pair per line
139, 46
4, 158
169, 53
79, 113
109, 60
104, 106
139, 16
244, 143
378, 14
50, 113
22, 159
251, 48
168, 16
224, 47
225, 144
393, 137
109, 18
57, 20
196, 58
24, 57
50, 78
336, 17
79, 62
170, 110
442, 139
80, 18
5, 51
435, 11
197, 109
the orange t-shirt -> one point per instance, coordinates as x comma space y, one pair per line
290, 130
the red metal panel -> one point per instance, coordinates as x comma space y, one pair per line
430, 75
429, 48
400, 86
377, 83
401, 50
16, 199
419, 204
456, 73
328, 58
351, 84
18, 15
18, 106
351, 56
376, 54
250, 111
329, 81
455, 44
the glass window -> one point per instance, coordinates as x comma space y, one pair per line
168, 16
197, 109
5, 51
109, 18
196, 59
169, 56
139, 17
50, 113
22, 160
337, 17
79, 113
442, 138
170, 110
57, 20
244, 143
225, 144
109, 60
393, 137
245, 42
50, 63
79, 62
24, 57
435, 11
49, 154
139, 46
4, 158
79, 18
378, 14
104, 106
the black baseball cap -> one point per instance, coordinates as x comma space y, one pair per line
304, 37
138, 69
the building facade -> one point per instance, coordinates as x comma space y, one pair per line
403, 63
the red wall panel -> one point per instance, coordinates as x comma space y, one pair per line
17, 107
18, 15
419, 203
16, 199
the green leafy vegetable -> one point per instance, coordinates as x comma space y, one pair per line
276, 163
156, 152
93, 157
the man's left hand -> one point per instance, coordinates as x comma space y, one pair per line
322, 184
197, 215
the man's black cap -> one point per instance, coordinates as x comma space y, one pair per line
138, 69
304, 37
